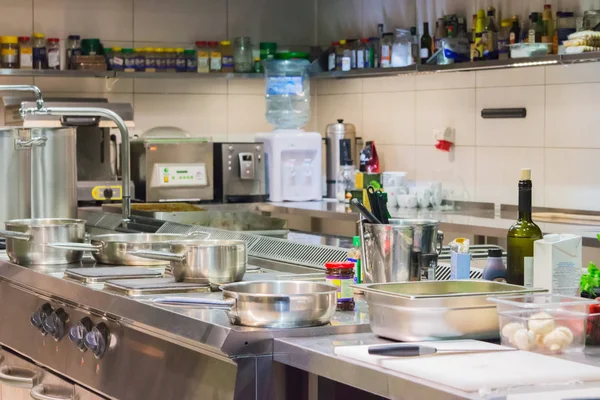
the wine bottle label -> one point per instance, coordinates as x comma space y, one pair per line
528, 271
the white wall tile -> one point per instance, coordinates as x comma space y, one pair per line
573, 73
397, 158
338, 19
243, 86
15, 80
246, 115
107, 19
348, 107
456, 170
287, 22
510, 77
400, 83
440, 80
337, 86
389, 118
16, 17
82, 85
572, 179
438, 109
180, 20
497, 173
527, 132
572, 115
197, 114
184, 85
392, 13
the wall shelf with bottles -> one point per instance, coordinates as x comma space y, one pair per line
356, 73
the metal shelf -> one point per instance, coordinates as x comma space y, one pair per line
53, 73
186, 75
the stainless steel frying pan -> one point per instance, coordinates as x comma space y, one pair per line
269, 304
117, 248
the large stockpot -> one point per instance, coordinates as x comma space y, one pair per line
119, 249
204, 261
270, 304
15, 181
26, 240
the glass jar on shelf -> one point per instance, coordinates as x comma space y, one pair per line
159, 59
40, 57
242, 54
128, 60
150, 59
180, 64
25, 53
53, 51
139, 59
191, 62
401, 49
118, 64
10, 52
73, 49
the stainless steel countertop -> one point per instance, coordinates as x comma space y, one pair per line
317, 355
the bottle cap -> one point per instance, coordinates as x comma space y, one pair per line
339, 264
495, 253
364, 40
74, 37
128, 51
138, 49
356, 241
38, 35
117, 48
225, 43
53, 40
179, 50
201, 43
10, 39
525, 174
24, 38
148, 49
343, 42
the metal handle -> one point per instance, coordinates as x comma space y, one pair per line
195, 301
27, 144
198, 235
94, 248
158, 255
37, 393
14, 235
18, 376
440, 242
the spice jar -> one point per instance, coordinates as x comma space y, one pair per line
180, 63
150, 63
159, 59
226, 56
40, 57
117, 59
139, 59
53, 52
215, 57
242, 54
191, 61
341, 274
128, 60
25, 53
10, 52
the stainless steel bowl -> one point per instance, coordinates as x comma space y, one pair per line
26, 239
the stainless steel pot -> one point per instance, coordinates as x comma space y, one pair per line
270, 304
204, 261
26, 240
427, 238
119, 249
15, 181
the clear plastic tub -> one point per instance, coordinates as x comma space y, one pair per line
526, 50
543, 323
287, 93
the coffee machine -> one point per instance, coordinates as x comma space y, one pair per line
240, 172
337, 137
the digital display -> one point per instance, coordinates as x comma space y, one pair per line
246, 158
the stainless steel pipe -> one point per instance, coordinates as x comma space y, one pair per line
26, 88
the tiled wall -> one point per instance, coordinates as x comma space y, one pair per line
559, 139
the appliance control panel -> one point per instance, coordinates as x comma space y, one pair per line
179, 175
246, 161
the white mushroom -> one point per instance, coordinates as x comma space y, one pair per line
558, 339
541, 323
508, 331
524, 339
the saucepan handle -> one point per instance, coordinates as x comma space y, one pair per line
39, 393
94, 248
195, 301
199, 235
158, 255
14, 235
440, 242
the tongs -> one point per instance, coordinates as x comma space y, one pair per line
378, 205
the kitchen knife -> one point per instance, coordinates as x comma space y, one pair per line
411, 350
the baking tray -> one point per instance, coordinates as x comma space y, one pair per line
150, 286
148, 209
103, 274
434, 310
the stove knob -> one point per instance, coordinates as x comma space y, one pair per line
38, 317
56, 324
78, 332
108, 193
97, 340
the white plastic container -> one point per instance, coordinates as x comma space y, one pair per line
557, 263
543, 323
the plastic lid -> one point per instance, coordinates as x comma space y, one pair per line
339, 264
268, 45
127, 50
138, 49
356, 241
201, 43
53, 40
38, 35
74, 37
24, 38
189, 51
495, 253
159, 50
343, 41
10, 39
108, 49
364, 40
225, 43
214, 43
288, 55
179, 50
117, 49
148, 49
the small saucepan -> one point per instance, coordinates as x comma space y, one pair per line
269, 304
119, 248
26, 239
203, 261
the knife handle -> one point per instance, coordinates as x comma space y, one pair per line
396, 350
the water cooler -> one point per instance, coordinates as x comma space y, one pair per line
293, 158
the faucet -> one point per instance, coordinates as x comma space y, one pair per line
39, 101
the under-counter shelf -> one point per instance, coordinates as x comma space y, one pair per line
357, 73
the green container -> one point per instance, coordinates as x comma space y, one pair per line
289, 55
267, 50
91, 47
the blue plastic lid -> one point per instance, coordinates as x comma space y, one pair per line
74, 37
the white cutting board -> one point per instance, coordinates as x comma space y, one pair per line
472, 372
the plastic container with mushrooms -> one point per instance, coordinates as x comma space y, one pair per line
543, 323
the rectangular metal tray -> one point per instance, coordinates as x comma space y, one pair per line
103, 274
433, 310
142, 287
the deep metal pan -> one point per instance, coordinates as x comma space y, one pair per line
117, 249
269, 304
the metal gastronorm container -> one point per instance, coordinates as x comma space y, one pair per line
433, 310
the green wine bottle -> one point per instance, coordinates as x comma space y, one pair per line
521, 236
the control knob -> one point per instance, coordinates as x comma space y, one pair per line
38, 317
108, 193
78, 332
56, 324
97, 340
